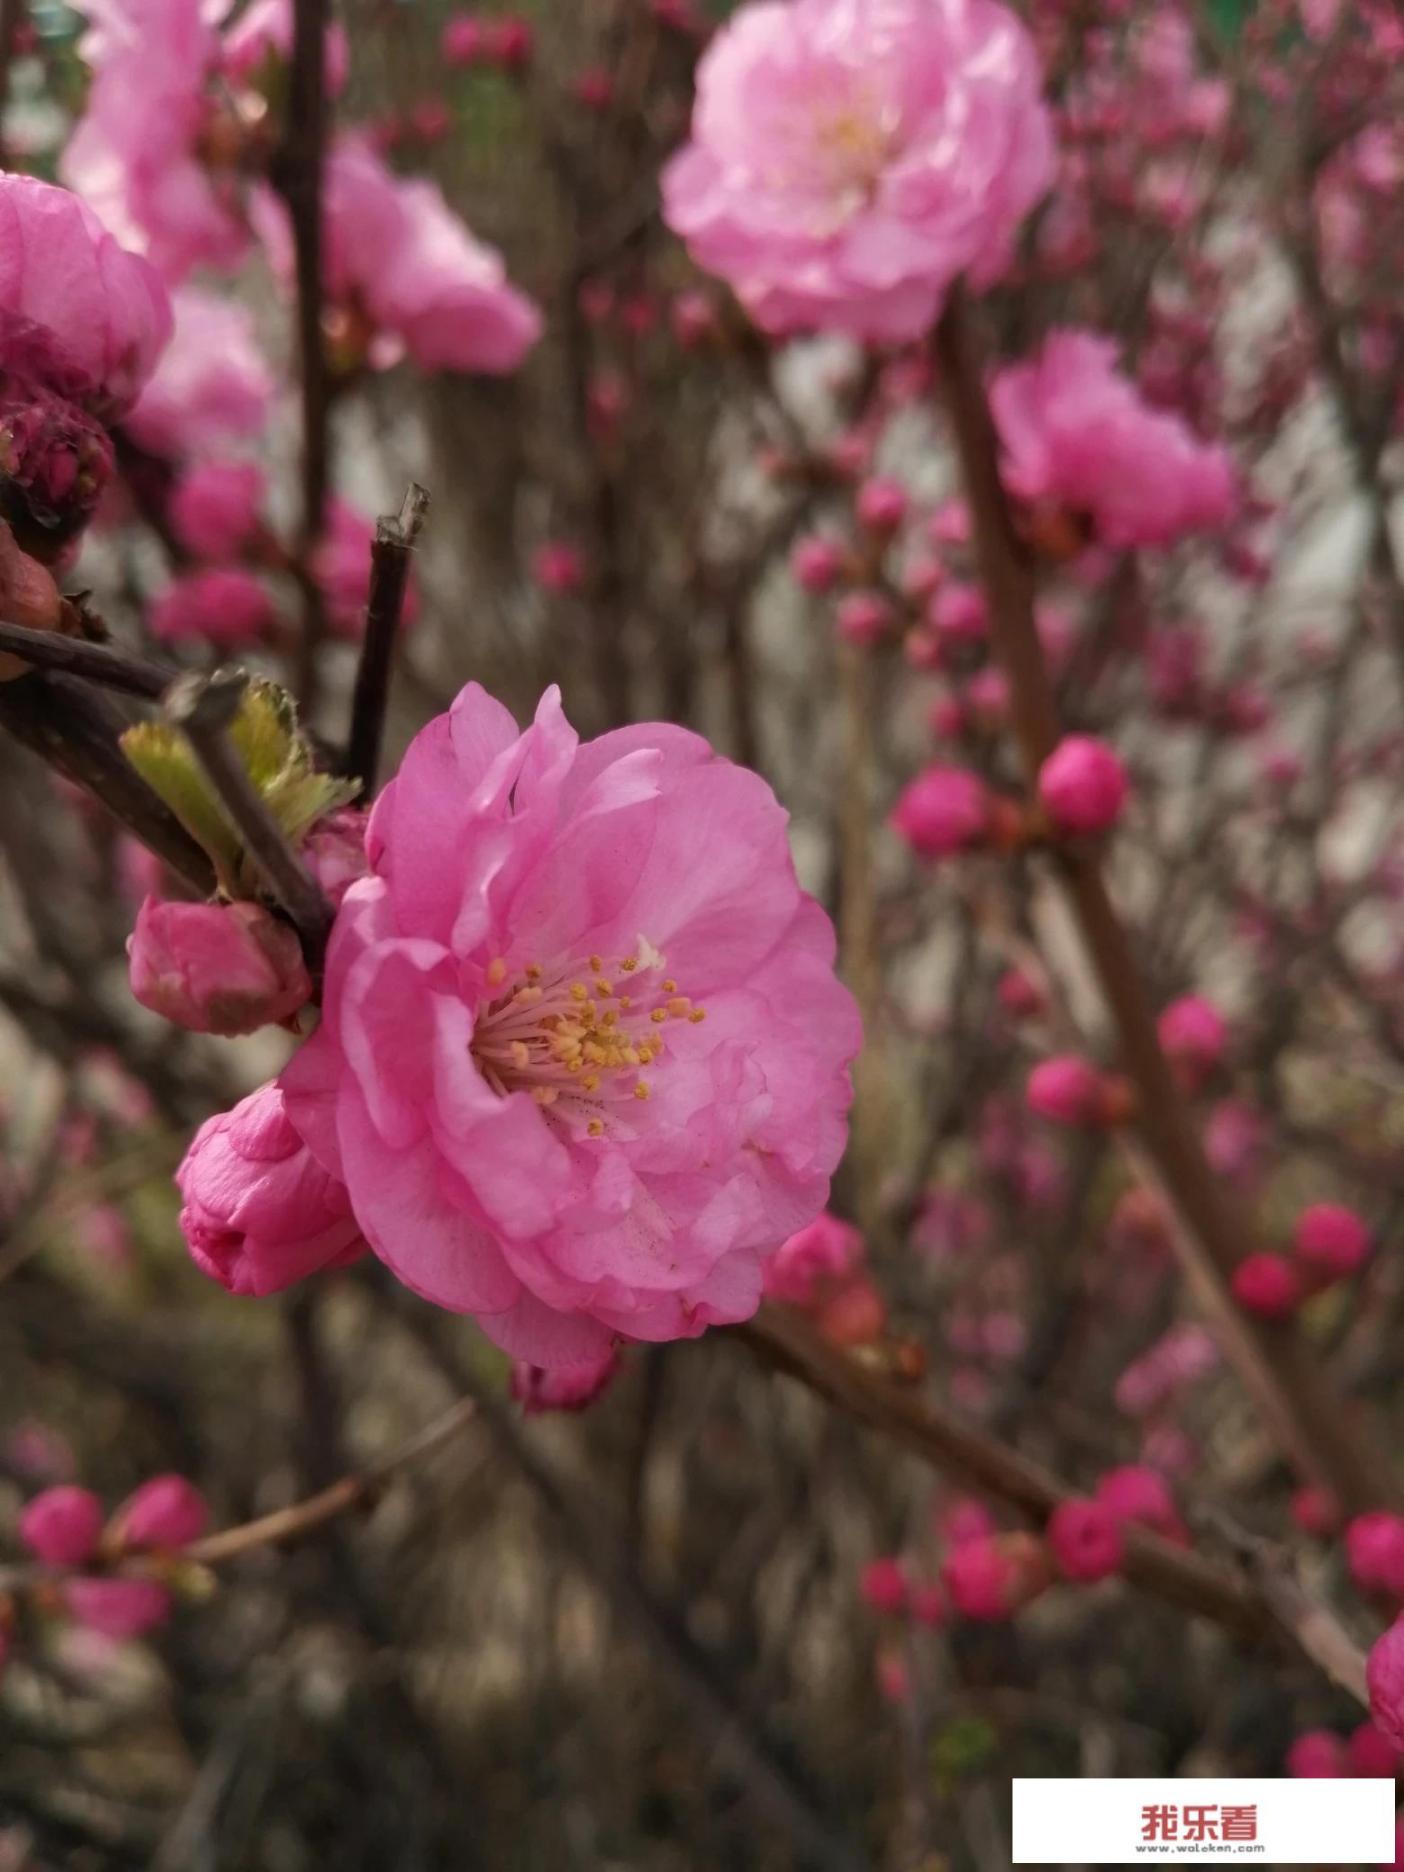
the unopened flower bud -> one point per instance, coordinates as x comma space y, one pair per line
216, 968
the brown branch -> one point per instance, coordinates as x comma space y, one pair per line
95, 662
1291, 1393
390, 568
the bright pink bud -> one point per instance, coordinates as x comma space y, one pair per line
216, 968
62, 1526
461, 43
816, 562
881, 505
1375, 1552
1384, 1673
1135, 1493
1317, 1756
117, 1608
568, 1388
1193, 1034
167, 1512
509, 42
959, 614
988, 696
558, 567
221, 605
1020, 995
215, 508
1266, 1285
991, 1578
883, 1585
1085, 1538
1316, 1511
1066, 1090
863, 617
813, 1262
1082, 785
1370, 1753
259, 1211
964, 1520
943, 811
1331, 1242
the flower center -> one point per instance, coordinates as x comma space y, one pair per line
580, 1036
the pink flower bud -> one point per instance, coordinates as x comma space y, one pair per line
117, 1608
259, 1210
220, 605
1135, 1493
1384, 1674
943, 811
1317, 1756
988, 696
216, 968
1370, 1753
883, 1585
1331, 1242
989, 1579
215, 508
167, 1512
569, 1388
1235, 1140
558, 567
1193, 1034
1374, 1545
1020, 995
693, 318
949, 525
964, 1520
1265, 1285
1066, 1090
959, 614
863, 617
854, 1316
509, 42
462, 42
881, 505
813, 1262
1316, 1511
1085, 1539
1082, 785
62, 1526
816, 562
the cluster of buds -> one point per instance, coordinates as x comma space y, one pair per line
821, 1270
948, 811
1329, 1244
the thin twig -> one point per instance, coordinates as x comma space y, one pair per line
94, 662
202, 707
390, 567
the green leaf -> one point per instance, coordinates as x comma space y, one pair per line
165, 760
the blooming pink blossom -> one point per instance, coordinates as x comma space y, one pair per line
570, 1388
943, 811
117, 1608
396, 252
216, 968
848, 161
1085, 1539
1082, 785
816, 1259
262, 34
1384, 1674
582, 1062
1266, 1285
62, 1526
1370, 1753
1316, 1755
883, 1585
167, 1513
222, 605
342, 567
1330, 1242
1077, 437
259, 1212
1374, 1545
212, 385
215, 508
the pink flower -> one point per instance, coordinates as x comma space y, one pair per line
462, 42
1020, 995
813, 1261
117, 1608
259, 1211
1137, 1494
943, 811
396, 252
1375, 1551
222, 605
881, 505
570, 1388
62, 1526
211, 386
1082, 785
1264, 1284
989, 1577
1316, 1756
1330, 1242
1235, 1140
1384, 1673
167, 1512
262, 35
215, 508
216, 968
342, 565
1194, 1034
959, 614
1076, 436
1085, 1538
558, 567
863, 617
817, 563
583, 1059
1370, 1753
848, 161
883, 1585
1066, 1090
1181, 1356
335, 852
